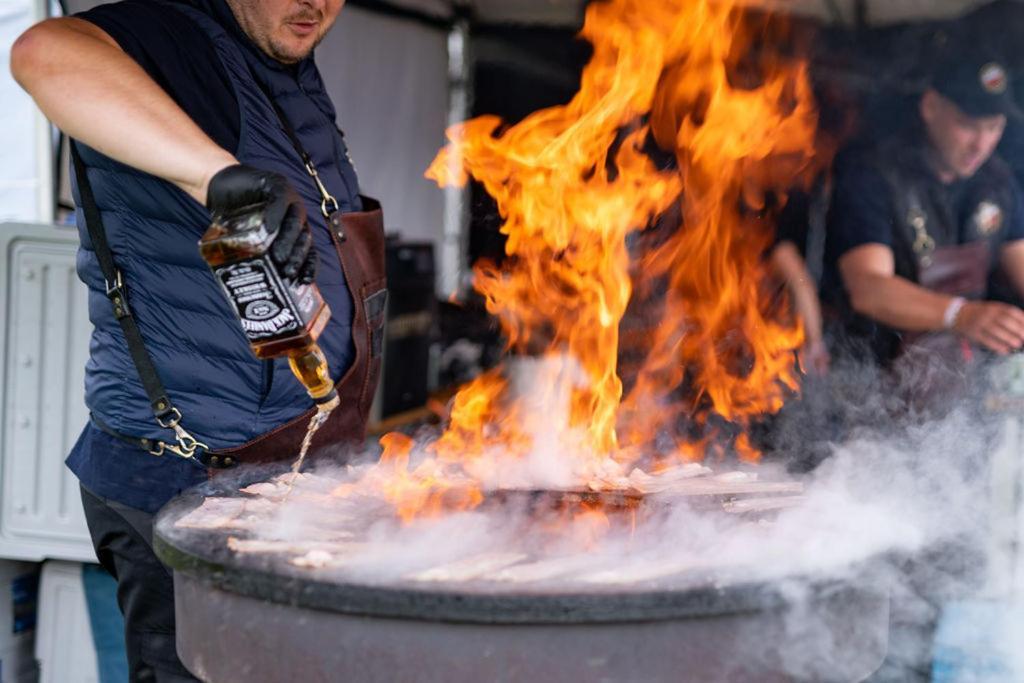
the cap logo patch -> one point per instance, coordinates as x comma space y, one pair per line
993, 78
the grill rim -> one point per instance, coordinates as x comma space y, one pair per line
220, 568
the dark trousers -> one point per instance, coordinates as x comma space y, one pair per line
123, 539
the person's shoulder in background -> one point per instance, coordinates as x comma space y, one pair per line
179, 56
861, 208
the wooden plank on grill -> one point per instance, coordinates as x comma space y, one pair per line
469, 568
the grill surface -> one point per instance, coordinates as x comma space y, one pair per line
256, 618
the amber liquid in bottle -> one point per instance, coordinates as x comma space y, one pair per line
279, 316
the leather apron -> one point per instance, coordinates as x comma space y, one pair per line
934, 370
359, 240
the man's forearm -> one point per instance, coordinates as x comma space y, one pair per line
96, 93
788, 264
1011, 258
899, 303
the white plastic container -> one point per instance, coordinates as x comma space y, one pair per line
44, 345
64, 644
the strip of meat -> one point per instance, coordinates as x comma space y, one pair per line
257, 545
543, 569
706, 486
213, 513
746, 505
468, 568
314, 559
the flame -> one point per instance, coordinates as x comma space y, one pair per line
423, 491
598, 224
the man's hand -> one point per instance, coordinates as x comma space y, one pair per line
815, 358
997, 327
238, 187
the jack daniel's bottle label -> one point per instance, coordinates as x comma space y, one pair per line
266, 304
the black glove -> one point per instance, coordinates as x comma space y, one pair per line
237, 187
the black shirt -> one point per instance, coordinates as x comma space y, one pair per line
866, 209
179, 57
794, 220
862, 210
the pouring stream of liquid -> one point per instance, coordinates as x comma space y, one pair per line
315, 423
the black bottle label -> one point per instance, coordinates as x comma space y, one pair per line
263, 301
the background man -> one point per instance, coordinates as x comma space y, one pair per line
918, 224
175, 106
917, 228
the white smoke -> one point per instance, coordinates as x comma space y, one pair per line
909, 500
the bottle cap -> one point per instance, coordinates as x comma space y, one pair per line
329, 401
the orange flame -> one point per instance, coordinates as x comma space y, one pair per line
424, 491
585, 207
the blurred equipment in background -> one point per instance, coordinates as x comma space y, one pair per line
517, 70
471, 342
411, 327
19, 593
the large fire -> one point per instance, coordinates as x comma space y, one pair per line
585, 193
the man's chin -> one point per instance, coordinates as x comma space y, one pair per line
290, 52
966, 172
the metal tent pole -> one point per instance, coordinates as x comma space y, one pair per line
453, 275
43, 133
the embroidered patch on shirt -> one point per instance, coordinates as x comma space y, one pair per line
988, 218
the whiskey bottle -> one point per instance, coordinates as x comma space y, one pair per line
280, 316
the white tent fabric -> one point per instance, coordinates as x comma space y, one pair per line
22, 163
397, 67
559, 12
567, 12
388, 79
877, 11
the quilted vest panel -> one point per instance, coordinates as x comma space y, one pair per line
226, 395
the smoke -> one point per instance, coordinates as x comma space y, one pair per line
917, 454
899, 505
541, 390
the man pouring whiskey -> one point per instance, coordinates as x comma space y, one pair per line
184, 114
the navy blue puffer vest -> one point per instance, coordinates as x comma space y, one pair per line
227, 396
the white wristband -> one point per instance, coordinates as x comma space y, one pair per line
952, 311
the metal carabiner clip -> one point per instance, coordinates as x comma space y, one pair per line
328, 199
178, 449
187, 444
171, 423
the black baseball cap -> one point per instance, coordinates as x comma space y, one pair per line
976, 81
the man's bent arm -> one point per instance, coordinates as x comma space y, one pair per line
876, 291
789, 264
1011, 258
116, 108
869, 273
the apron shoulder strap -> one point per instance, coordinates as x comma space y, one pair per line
164, 411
